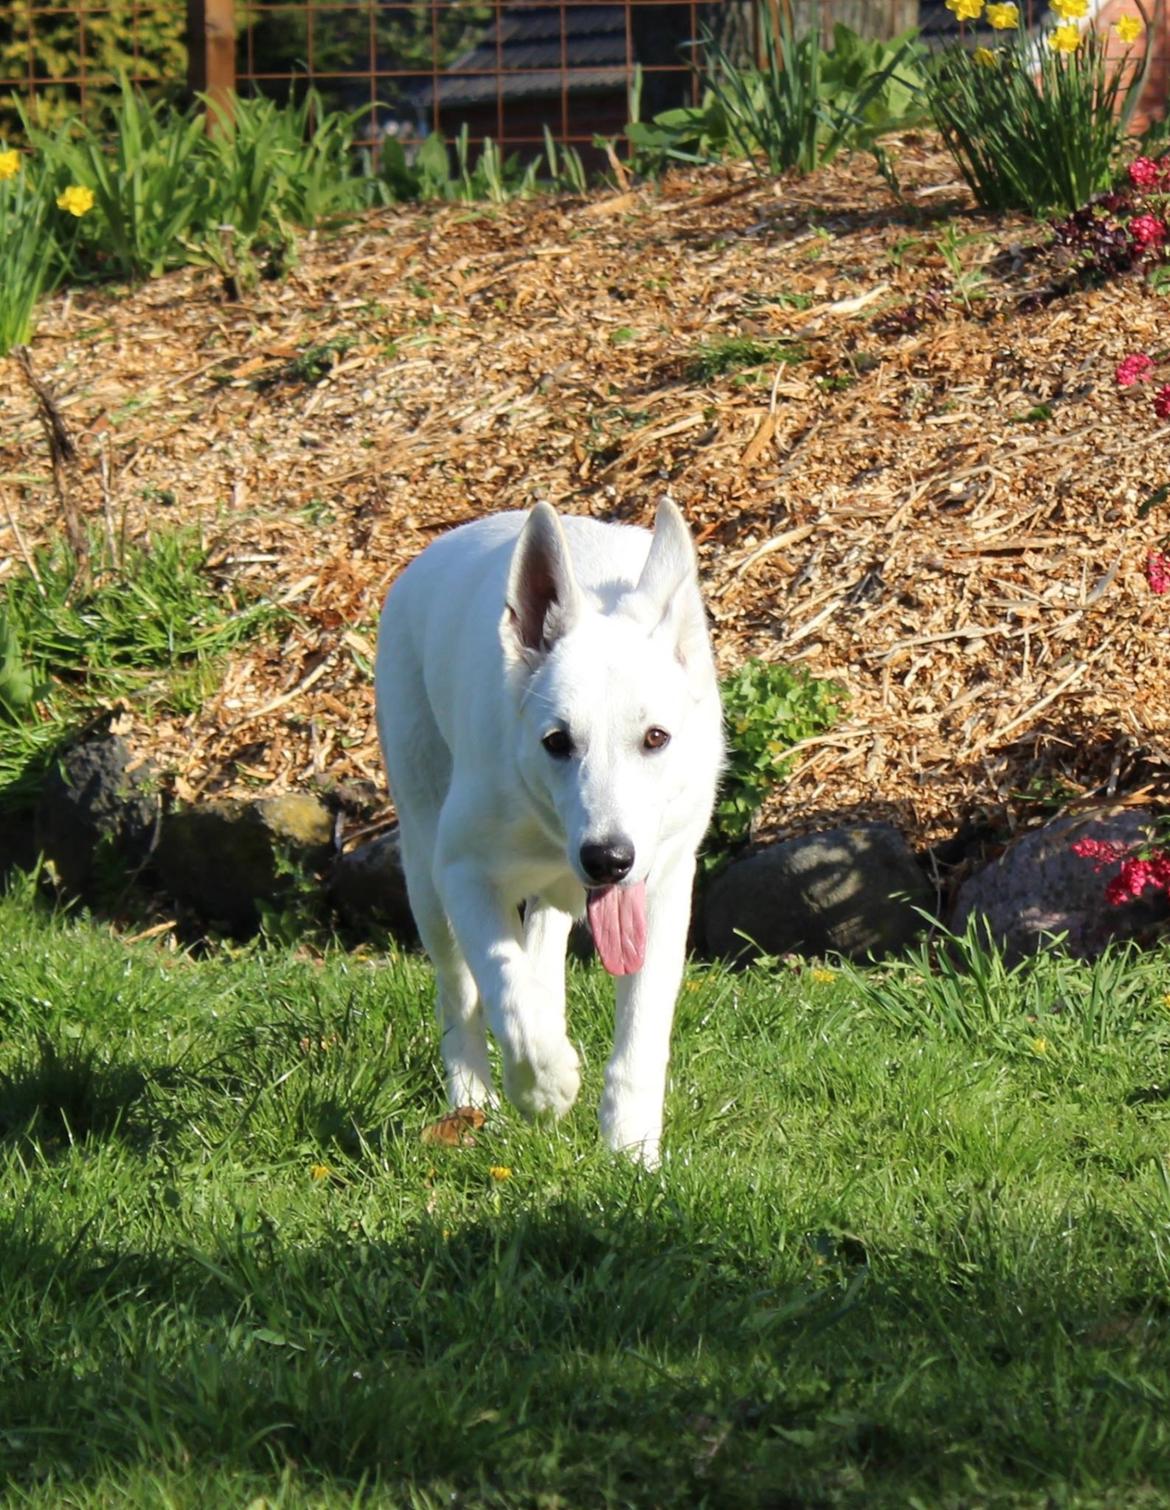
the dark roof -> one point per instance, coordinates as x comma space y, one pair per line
524, 56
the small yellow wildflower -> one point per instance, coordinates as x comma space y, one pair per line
965, 10
1039, 1045
319, 1171
822, 977
1166, 1001
984, 57
9, 163
77, 199
1070, 10
1128, 29
1003, 17
1064, 39
500, 1172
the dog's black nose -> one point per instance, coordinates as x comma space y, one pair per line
607, 862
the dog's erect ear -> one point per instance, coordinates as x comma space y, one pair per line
669, 585
542, 599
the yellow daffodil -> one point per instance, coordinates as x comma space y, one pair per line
1064, 39
1003, 17
1128, 28
77, 199
965, 10
500, 1172
984, 57
9, 163
1070, 10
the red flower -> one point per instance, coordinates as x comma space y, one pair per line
1134, 369
1147, 231
1143, 172
1158, 572
1162, 402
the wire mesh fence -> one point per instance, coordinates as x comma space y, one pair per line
505, 69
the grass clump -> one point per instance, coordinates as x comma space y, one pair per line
712, 359
154, 628
883, 1264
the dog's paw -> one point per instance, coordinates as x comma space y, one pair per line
632, 1130
545, 1080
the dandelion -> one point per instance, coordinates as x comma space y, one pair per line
984, 57
319, 1171
9, 163
1064, 39
1162, 402
1135, 368
822, 977
1070, 10
1039, 1046
965, 10
77, 199
1143, 172
1128, 29
1003, 17
500, 1172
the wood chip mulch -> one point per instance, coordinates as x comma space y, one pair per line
942, 500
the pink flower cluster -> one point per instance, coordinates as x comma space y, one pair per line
1162, 402
1148, 231
1158, 572
1145, 173
1136, 874
1135, 368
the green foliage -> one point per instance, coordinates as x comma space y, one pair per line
802, 107
767, 709
153, 626
1035, 133
140, 38
439, 171
881, 1265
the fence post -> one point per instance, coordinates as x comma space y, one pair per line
211, 52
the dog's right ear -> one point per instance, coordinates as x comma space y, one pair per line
542, 599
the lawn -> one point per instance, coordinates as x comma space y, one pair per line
909, 1246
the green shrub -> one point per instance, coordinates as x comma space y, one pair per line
141, 38
767, 710
31, 260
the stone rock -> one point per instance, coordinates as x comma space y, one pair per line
97, 800
850, 891
1037, 888
368, 889
224, 858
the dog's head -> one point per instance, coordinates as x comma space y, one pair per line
618, 723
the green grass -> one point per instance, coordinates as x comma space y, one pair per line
891, 1259
153, 625
713, 359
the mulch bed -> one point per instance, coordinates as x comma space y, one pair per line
938, 500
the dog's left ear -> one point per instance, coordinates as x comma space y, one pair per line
669, 586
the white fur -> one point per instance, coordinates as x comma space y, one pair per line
497, 633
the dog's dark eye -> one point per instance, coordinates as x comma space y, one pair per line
558, 744
655, 738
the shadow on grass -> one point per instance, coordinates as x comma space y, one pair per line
568, 1356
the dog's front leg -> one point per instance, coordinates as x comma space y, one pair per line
524, 1011
635, 1078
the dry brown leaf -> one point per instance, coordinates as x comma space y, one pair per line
455, 1130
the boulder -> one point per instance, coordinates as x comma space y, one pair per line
99, 809
850, 891
1038, 888
368, 889
223, 859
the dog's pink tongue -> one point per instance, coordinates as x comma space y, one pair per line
617, 916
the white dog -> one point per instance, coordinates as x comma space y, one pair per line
550, 720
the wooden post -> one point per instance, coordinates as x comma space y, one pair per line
211, 55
